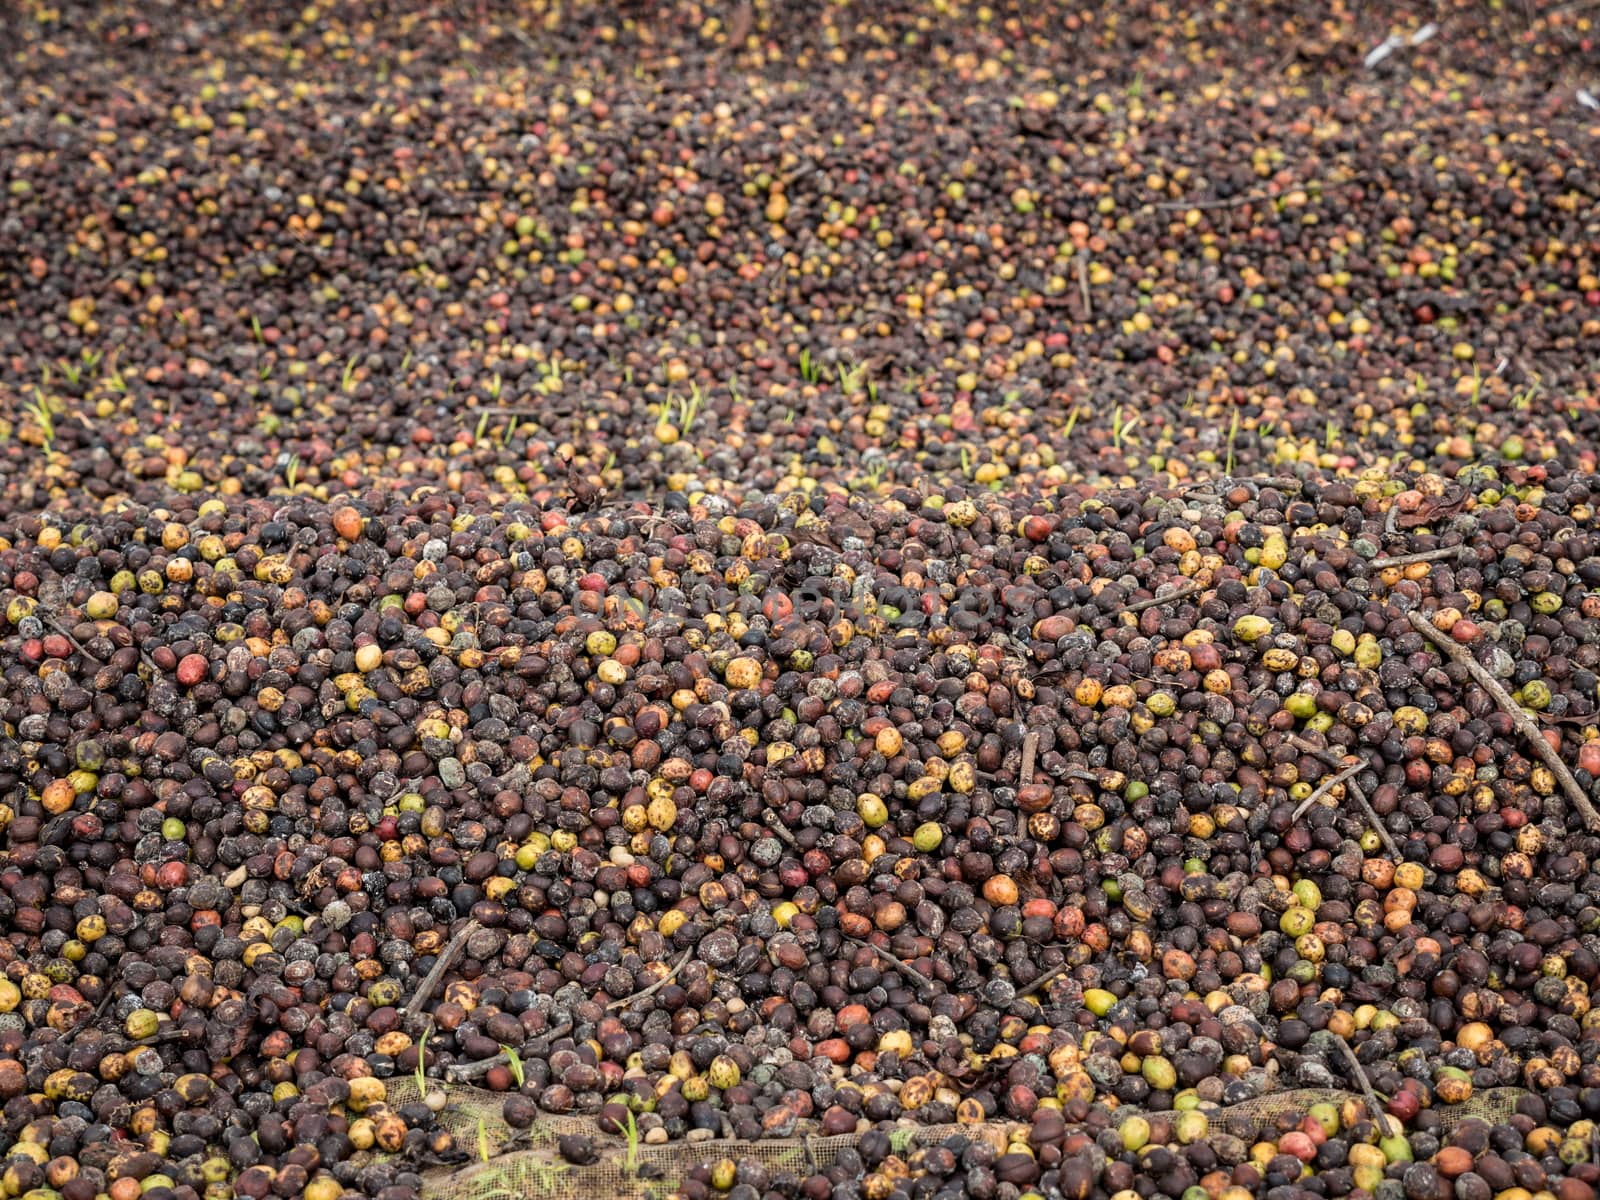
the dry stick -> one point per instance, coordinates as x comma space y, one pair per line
47, 619
1253, 197
1522, 721
1043, 981
1401, 560
777, 827
1083, 285
1354, 788
457, 1072
1326, 786
1361, 1078
894, 962
1373, 819
654, 987
430, 981
1231, 202
94, 1017
1030, 747
521, 35
1282, 483
64, 632
1140, 605
460, 1072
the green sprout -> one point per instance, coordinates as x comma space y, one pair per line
71, 371
511, 428
872, 391
91, 358
630, 1131
874, 474
264, 372
1120, 429
900, 1140
348, 383
850, 379
405, 363
809, 370
549, 377
1072, 420
40, 410
1233, 433
966, 461
681, 413
1136, 88
1329, 433
116, 383
547, 1174
422, 1062
483, 1141
255, 329
1477, 387
483, 425
291, 472
494, 386
515, 1060
1523, 400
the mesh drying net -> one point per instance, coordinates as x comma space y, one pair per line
528, 1166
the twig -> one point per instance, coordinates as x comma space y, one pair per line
800, 172
1030, 747
1326, 786
1083, 285
169, 1032
1373, 819
916, 975
521, 35
1305, 747
1354, 788
430, 981
1043, 981
1524, 724
777, 827
1257, 196
1230, 202
1139, 606
1401, 560
94, 1017
655, 987
47, 619
1361, 1079
458, 1072
1280, 483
